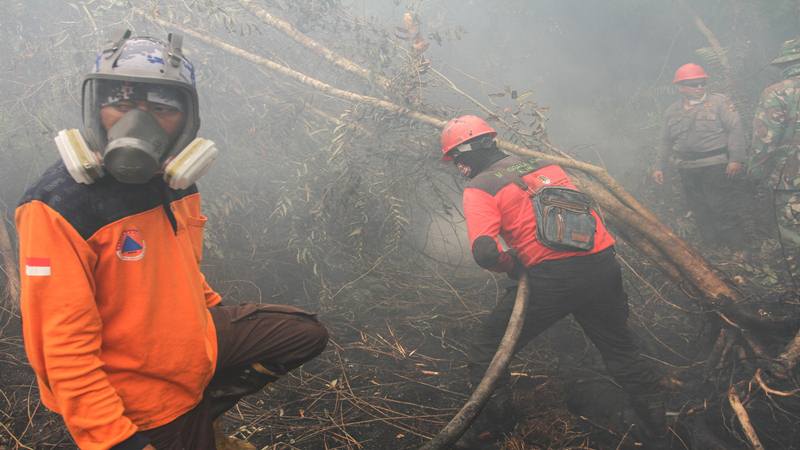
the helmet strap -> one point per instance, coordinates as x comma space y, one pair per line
113, 49
173, 54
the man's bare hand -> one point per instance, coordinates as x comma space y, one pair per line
734, 168
658, 177
149, 447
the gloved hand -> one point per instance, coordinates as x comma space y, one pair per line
518, 268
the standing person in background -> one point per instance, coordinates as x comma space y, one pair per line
703, 137
776, 140
128, 341
569, 257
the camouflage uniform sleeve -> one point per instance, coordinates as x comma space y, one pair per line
737, 147
768, 124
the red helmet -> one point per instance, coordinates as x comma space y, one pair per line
689, 72
462, 129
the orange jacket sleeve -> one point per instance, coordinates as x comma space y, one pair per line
62, 326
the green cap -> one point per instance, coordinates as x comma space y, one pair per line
790, 51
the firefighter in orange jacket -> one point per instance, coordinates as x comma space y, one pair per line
553, 233
128, 341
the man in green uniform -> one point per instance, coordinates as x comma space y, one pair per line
704, 139
776, 141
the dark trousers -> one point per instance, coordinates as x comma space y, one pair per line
279, 337
719, 205
589, 288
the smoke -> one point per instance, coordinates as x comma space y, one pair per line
603, 68
314, 196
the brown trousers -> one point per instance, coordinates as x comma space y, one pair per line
279, 337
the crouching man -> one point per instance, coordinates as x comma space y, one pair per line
128, 341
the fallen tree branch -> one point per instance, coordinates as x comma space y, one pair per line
598, 172
338, 60
298, 76
693, 265
721, 347
609, 194
770, 391
462, 420
638, 241
744, 419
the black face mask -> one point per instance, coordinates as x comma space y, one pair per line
474, 162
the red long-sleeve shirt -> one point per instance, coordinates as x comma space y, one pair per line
114, 306
496, 207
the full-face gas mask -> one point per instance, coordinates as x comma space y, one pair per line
136, 147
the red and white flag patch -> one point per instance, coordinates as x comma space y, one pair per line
37, 267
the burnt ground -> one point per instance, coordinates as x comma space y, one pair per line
395, 370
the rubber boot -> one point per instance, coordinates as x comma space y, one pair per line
224, 442
225, 392
653, 415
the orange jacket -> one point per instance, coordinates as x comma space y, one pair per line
114, 306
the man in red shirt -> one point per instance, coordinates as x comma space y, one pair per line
525, 216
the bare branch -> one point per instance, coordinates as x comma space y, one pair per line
338, 60
744, 419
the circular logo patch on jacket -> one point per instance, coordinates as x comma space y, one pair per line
130, 246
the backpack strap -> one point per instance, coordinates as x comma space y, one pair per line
515, 172
517, 179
